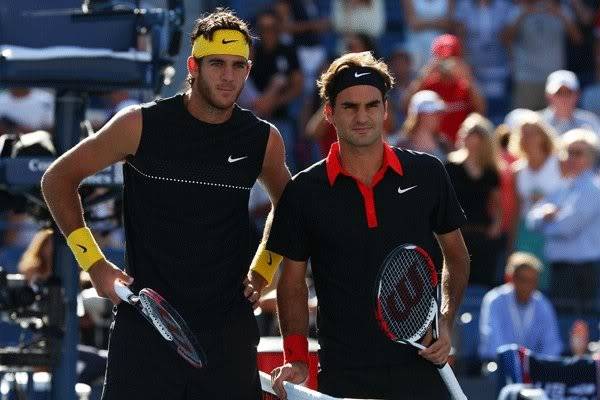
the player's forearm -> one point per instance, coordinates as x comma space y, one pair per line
63, 201
292, 305
455, 278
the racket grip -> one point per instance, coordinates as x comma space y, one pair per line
122, 291
451, 383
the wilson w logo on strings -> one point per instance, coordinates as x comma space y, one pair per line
407, 293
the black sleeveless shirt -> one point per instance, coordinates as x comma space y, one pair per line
186, 214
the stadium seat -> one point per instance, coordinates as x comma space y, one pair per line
73, 50
467, 328
560, 377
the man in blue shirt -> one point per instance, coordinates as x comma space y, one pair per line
517, 312
570, 222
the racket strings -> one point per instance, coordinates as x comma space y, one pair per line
154, 313
170, 328
406, 294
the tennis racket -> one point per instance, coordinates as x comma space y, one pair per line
407, 303
163, 317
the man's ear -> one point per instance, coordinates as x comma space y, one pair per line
193, 66
328, 112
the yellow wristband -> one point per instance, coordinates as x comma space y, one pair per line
84, 247
266, 263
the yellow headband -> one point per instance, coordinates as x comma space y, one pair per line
224, 41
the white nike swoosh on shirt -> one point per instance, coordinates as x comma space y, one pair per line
232, 160
400, 190
357, 75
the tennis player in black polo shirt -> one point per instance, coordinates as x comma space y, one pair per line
346, 213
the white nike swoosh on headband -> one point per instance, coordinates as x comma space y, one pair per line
232, 160
357, 75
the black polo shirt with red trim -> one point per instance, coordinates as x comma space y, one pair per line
347, 228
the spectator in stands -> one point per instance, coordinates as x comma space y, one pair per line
590, 98
562, 93
426, 20
278, 81
480, 25
508, 203
517, 312
450, 76
420, 131
473, 170
359, 42
580, 54
535, 36
537, 174
301, 20
579, 338
25, 110
569, 219
359, 16
401, 67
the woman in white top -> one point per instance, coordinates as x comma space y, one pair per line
426, 20
537, 174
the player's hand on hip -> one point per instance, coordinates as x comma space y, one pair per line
103, 275
438, 351
295, 372
253, 287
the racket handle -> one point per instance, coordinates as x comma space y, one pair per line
451, 383
122, 291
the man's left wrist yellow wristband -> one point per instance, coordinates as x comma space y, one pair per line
266, 264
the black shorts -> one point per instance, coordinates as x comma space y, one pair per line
141, 365
419, 380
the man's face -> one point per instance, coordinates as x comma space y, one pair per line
525, 280
358, 115
219, 79
579, 158
564, 101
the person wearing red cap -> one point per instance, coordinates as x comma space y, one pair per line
451, 78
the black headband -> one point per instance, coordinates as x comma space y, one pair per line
354, 76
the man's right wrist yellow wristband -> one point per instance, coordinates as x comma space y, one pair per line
84, 247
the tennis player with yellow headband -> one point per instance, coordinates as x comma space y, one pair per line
190, 161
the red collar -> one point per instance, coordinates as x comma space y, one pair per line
334, 166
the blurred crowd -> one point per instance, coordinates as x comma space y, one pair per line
506, 94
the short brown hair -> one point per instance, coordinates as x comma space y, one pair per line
221, 18
364, 59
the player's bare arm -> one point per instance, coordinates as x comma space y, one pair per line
274, 177
114, 142
455, 276
292, 305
